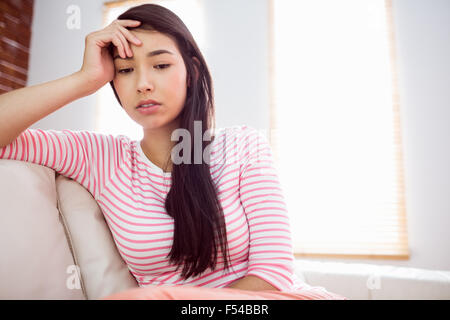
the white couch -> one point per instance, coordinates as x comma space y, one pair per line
51, 228
376, 282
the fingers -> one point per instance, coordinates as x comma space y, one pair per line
125, 45
118, 43
127, 22
123, 35
130, 36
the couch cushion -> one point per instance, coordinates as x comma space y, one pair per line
103, 270
344, 279
36, 257
412, 284
376, 282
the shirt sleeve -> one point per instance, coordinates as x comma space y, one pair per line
89, 158
270, 255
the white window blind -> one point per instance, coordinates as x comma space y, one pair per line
110, 117
336, 127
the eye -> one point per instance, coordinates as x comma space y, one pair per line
158, 67
123, 70
162, 66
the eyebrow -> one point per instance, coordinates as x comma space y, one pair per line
150, 54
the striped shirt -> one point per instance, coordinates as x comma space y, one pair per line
131, 191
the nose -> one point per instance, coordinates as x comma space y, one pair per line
145, 84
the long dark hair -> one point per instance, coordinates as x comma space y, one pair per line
192, 200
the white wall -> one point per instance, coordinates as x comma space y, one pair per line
237, 56
57, 51
423, 45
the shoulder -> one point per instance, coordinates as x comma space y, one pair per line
248, 136
99, 136
238, 132
74, 133
242, 141
85, 138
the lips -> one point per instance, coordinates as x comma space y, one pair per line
147, 102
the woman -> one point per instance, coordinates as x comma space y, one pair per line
208, 212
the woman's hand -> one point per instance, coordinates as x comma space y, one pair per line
98, 65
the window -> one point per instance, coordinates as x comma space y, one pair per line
335, 127
110, 117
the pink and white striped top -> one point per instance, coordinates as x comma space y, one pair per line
131, 191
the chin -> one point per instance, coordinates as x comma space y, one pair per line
153, 124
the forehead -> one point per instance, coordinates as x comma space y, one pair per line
152, 40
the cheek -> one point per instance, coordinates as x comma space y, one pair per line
177, 83
119, 86
178, 79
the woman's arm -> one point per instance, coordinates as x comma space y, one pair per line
252, 283
270, 252
22, 107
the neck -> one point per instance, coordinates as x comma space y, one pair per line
157, 146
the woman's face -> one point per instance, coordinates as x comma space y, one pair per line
160, 77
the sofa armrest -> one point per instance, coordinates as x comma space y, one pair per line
103, 271
35, 254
